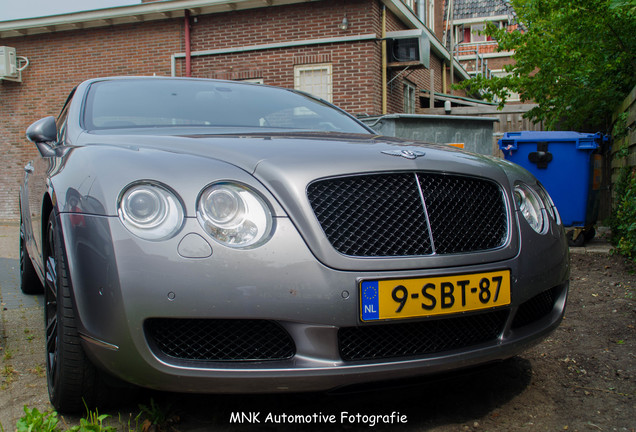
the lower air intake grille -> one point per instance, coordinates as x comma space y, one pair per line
418, 338
390, 214
536, 308
219, 340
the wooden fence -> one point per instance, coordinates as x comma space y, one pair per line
624, 135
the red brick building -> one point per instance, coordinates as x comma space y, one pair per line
332, 48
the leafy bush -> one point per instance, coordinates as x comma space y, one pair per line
623, 221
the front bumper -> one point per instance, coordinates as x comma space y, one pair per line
120, 282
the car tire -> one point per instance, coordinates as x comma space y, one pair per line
72, 379
29, 282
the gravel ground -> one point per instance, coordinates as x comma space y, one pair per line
582, 378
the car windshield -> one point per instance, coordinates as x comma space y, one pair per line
217, 105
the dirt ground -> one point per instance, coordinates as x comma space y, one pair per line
582, 378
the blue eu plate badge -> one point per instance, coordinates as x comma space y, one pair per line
369, 303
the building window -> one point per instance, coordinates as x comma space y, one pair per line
476, 33
473, 33
431, 15
409, 98
253, 80
315, 80
512, 96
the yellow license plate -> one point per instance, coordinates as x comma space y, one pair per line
440, 295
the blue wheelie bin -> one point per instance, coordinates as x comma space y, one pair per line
565, 163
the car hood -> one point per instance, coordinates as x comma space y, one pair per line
287, 163
323, 153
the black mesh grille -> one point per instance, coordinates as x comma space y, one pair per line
418, 338
383, 214
219, 340
466, 214
378, 215
535, 308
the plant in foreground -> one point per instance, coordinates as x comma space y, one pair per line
36, 421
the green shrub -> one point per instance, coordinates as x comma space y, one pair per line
623, 221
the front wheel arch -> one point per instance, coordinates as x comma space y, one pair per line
72, 379
47, 210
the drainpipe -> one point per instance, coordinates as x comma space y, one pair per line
188, 72
384, 62
452, 47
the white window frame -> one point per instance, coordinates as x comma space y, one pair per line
325, 89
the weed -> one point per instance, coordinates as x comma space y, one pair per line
163, 419
128, 424
38, 371
8, 355
8, 373
34, 420
93, 422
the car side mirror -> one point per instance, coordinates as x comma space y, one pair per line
43, 132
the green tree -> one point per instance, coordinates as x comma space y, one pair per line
575, 58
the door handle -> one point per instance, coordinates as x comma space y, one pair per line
28, 168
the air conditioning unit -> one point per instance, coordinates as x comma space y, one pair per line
407, 46
10, 67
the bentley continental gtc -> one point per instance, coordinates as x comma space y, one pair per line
206, 236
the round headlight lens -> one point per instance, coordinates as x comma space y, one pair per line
529, 204
223, 206
150, 211
234, 215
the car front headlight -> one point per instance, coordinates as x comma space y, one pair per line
529, 203
549, 204
150, 211
234, 215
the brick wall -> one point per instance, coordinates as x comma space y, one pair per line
59, 61
355, 65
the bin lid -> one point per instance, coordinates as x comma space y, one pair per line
583, 141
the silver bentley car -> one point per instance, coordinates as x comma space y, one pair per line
197, 235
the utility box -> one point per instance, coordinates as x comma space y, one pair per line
474, 134
408, 46
565, 163
8, 63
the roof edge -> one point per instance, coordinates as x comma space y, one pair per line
150, 11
